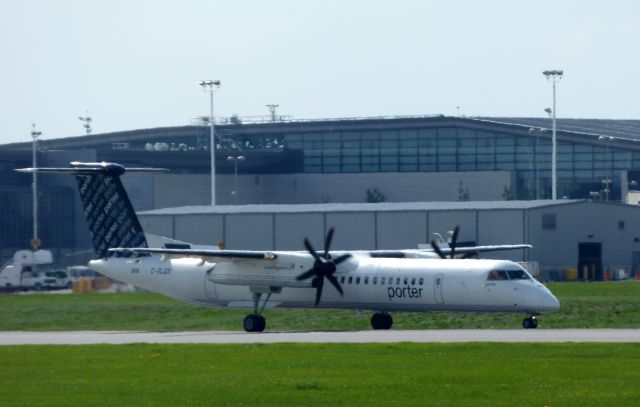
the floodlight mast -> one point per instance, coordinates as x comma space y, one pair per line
35, 241
553, 76
210, 87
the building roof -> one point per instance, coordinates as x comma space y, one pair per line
587, 129
626, 129
359, 207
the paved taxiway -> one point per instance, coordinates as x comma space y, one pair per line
445, 335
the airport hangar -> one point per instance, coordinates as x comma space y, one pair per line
297, 172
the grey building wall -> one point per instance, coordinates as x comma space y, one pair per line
292, 228
172, 190
401, 230
616, 226
585, 222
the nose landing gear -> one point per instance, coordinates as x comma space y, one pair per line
530, 322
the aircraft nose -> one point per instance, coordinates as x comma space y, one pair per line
547, 300
552, 302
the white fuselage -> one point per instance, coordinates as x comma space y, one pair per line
381, 284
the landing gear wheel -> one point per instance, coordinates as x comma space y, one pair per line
254, 323
381, 320
530, 323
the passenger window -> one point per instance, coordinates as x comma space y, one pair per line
350, 280
406, 281
366, 280
518, 275
421, 281
498, 275
342, 280
382, 281
413, 281
398, 281
357, 280
375, 280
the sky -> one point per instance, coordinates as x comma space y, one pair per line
135, 64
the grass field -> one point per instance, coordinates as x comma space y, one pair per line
583, 305
321, 375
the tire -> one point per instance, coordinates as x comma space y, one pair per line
254, 323
529, 323
381, 321
377, 321
388, 321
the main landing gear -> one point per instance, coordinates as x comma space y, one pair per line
530, 322
381, 320
256, 322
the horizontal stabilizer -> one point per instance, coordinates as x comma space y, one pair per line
80, 168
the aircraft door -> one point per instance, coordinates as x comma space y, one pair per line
437, 288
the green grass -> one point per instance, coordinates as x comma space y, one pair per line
321, 375
583, 305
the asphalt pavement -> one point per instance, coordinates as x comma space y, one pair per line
391, 336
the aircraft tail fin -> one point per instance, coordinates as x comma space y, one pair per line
110, 216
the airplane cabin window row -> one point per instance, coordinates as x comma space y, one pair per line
383, 280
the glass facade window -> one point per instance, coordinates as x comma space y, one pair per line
581, 166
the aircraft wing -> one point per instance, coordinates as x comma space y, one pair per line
430, 253
211, 255
491, 248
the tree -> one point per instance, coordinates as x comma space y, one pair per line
374, 195
507, 194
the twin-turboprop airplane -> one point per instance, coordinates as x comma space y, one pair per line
381, 281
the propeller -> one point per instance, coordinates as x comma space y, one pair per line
323, 266
452, 246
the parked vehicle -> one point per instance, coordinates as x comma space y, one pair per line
23, 278
22, 273
62, 279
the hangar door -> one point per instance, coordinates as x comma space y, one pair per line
590, 261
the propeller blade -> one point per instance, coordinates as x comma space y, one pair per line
334, 281
309, 273
454, 240
319, 290
311, 250
327, 243
436, 249
340, 259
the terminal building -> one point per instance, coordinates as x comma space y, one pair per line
344, 166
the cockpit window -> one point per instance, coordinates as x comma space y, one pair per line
498, 275
518, 274
509, 274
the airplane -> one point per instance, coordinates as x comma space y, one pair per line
379, 281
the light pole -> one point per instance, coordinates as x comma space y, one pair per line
236, 160
210, 87
35, 241
553, 76
608, 179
